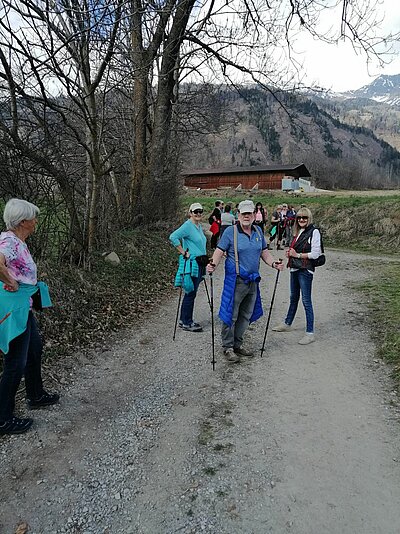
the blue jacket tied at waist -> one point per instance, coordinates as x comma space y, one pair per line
228, 293
14, 310
186, 270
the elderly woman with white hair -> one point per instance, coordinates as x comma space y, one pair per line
20, 341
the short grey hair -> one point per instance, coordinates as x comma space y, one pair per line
17, 210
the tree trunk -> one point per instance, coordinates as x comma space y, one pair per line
141, 69
159, 177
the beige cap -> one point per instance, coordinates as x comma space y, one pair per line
246, 206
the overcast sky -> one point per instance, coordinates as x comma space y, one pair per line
338, 67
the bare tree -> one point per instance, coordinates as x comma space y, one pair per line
230, 40
64, 61
55, 59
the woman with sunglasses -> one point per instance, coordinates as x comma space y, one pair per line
190, 241
305, 247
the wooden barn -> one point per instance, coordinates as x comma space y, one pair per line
267, 177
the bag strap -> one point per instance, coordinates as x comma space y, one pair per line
235, 248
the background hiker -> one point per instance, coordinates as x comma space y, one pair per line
260, 215
274, 228
20, 340
290, 218
305, 248
241, 301
227, 219
215, 222
284, 225
190, 241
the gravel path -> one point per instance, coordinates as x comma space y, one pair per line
150, 440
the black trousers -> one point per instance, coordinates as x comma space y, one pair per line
23, 358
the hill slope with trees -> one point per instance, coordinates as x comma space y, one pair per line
257, 127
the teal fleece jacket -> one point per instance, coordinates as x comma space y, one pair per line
14, 310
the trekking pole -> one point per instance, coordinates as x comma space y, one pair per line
270, 311
180, 295
212, 320
208, 294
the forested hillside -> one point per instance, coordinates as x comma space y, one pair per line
256, 127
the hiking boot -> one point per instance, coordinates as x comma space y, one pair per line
307, 339
283, 327
193, 327
230, 356
243, 352
45, 399
15, 425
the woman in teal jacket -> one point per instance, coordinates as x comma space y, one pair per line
21, 343
190, 241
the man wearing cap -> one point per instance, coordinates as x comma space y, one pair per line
241, 301
190, 241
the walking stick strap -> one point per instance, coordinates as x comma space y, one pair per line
235, 248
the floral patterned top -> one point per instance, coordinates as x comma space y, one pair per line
19, 261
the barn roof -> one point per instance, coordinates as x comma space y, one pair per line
299, 170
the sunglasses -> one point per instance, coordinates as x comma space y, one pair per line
198, 212
302, 218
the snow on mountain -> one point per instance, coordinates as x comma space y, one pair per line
385, 88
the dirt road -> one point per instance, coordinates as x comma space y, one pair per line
150, 440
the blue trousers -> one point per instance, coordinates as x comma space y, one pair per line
301, 282
23, 358
243, 307
188, 300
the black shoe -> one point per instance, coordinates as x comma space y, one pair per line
15, 426
46, 399
193, 327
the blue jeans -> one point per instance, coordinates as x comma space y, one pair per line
301, 280
24, 357
188, 301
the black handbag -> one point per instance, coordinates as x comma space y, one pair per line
202, 261
320, 261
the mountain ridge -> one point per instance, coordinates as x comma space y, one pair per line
333, 137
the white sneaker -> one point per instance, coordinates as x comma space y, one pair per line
307, 339
283, 327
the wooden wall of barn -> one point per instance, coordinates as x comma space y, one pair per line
213, 181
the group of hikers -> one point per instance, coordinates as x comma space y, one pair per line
240, 241
243, 244
280, 224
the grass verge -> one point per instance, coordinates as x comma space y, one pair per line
91, 306
383, 301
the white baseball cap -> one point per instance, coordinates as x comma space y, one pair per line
195, 206
246, 206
